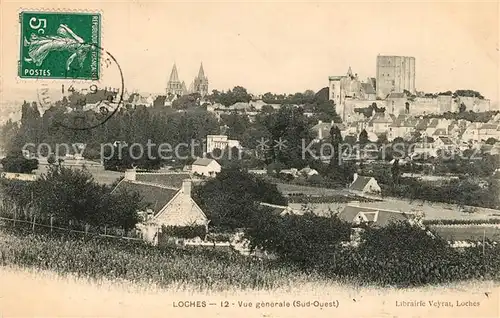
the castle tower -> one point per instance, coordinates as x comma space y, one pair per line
200, 84
395, 74
174, 85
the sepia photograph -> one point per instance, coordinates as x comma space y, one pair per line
249, 159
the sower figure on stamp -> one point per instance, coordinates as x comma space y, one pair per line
65, 40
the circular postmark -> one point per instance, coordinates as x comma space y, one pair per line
84, 104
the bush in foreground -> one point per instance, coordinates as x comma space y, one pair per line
399, 254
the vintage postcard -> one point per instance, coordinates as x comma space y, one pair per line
253, 159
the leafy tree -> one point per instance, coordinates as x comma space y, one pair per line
405, 253
186, 101
298, 239
74, 195
51, 159
491, 141
363, 137
336, 140
382, 139
231, 197
396, 171
16, 162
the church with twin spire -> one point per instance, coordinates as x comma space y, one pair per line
177, 88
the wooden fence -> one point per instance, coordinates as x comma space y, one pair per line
13, 221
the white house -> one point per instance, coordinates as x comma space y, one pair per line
164, 205
221, 142
364, 185
205, 167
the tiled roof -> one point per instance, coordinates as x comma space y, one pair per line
153, 196
173, 180
203, 162
360, 183
440, 132
383, 217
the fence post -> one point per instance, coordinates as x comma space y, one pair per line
86, 228
15, 217
105, 228
51, 223
34, 219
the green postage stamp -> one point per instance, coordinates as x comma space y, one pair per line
58, 45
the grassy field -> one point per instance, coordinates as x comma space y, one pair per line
98, 258
74, 275
471, 232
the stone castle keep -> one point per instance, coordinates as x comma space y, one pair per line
395, 75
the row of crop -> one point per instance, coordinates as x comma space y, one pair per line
461, 222
96, 257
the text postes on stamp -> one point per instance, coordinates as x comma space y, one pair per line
60, 45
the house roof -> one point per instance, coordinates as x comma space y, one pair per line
153, 196
360, 183
446, 140
240, 106
173, 180
379, 216
279, 209
396, 95
440, 132
203, 162
368, 88
335, 78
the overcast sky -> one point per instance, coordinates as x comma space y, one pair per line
284, 47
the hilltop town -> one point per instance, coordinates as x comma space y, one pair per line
237, 171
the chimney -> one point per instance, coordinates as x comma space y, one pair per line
186, 187
320, 122
130, 174
354, 176
332, 122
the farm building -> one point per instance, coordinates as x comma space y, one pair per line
364, 185
357, 215
167, 201
206, 167
279, 209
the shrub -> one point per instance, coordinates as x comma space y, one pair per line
296, 238
18, 164
185, 231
